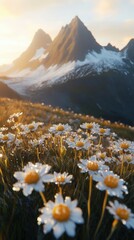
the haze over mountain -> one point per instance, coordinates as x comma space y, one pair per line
31, 57
75, 71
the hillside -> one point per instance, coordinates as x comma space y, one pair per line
51, 115
48, 155
7, 92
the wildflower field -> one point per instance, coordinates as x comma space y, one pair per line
64, 175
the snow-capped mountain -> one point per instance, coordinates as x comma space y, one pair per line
53, 71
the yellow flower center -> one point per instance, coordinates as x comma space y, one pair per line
61, 212
102, 155
111, 181
60, 128
89, 125
93, 166
122, 213
124, 145
5, 138
79, 144
60, 179
32, 177
31, 126
102, 130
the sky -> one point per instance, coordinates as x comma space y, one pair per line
108, 20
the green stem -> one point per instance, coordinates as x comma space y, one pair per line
102, 213
122, 165
89, 197
60, 189
114, 226
43, 197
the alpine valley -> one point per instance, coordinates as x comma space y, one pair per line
74, 71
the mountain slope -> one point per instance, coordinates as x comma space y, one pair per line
6, 92
30, 58
73, 42
129, 50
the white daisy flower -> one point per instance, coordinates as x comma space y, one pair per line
102, 131
92, 126
3, 129
62, 178
92, 166
79, 143
60, 129
31, 127
61, 216
7, 138
123, 146
122, 212
32, 178
36, 142
111, 183
103, 156
14, 117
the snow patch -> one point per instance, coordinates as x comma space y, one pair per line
106, 59
38, 54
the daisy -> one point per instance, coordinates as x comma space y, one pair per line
90, 126
36, 142
61, 216
103, 156
122, 212
32, 178
92, 166
31, 127
123, 146
79, 143
102, 131
110, 182
62, 178
14, 117
60, 129
7, 138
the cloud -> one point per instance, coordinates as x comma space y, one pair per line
106, 8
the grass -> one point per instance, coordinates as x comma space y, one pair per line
18, 214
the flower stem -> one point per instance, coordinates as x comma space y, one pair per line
89, 197
102, 213
114, 226
60, 189
122, 165
43, 197
89, 202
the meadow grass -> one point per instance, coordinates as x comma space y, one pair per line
18, 214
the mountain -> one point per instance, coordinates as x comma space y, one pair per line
74, 71
33, 54
73, 42
111, 48
129, 50
6, 92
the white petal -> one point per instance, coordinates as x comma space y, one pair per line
27, 190
19, 175
45, 169
73, 204
76, 215
58, 229
70, 228
58, 198
39, 187
48, 226
48, 178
